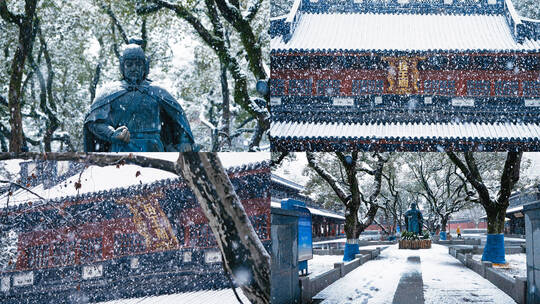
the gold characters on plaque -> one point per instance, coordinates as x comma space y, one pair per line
403, 74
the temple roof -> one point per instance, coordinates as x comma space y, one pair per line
404, 32
325, 136
403, 26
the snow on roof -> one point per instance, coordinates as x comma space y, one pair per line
95, 179
511, 210
324, 213
401, 32
223, 296
286, 182
309, 130
277, 204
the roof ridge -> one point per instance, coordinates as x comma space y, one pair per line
408, 6
520, 28
58, 201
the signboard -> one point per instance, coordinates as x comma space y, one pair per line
532, 102
212, 257
275, 101
343, 102
463, 102
23, 279
305, 242
402, 74
92, 271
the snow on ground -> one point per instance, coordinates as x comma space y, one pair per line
223, 296
322, 263
445, 280
482, 236
373, 282
517, 263
331, 241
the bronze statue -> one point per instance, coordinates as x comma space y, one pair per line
135, 116
414, 220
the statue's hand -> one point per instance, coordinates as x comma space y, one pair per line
121, 134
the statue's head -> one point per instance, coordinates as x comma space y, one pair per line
414, 206
134, 65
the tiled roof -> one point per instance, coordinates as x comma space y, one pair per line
223, 296
398, 131
286, 182
402, 32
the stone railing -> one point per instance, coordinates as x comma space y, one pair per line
514, 287
312, 286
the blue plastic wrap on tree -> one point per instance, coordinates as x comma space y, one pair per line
351, 250
494, 249
442, 236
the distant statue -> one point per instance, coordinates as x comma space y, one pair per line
134, 116
413, 219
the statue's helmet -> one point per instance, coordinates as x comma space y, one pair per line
134, 51
414, 206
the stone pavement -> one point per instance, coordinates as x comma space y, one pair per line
413, 276
410, 287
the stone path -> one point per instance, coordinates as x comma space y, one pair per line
427, 276
410, 287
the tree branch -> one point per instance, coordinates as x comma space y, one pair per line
101, 160
114, 20
510, 176
472, 176
332, 182
229, 222
9, 16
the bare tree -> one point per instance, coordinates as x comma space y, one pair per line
444, 189
495, 206
393, 197
351, 196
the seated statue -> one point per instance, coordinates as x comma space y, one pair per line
414, 220
134, 116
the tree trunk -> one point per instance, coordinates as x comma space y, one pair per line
226, 104
444, 221
248, 264
495, 221
351, 223
24, 47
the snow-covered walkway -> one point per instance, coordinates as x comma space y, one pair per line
445, 280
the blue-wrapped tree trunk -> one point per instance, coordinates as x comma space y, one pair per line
351, 250
494, 249
442, 236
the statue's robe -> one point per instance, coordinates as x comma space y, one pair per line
414, 220
155, 120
